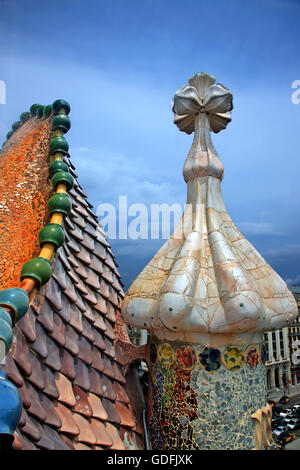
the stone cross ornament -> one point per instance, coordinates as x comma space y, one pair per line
206, 297
202, 95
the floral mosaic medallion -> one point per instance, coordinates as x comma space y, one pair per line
233, 358
186, 357
210, 358
263, 353
153, 353
165, 355
251, 357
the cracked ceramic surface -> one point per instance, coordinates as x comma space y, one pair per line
207, 284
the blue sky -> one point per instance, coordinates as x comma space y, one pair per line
119, 64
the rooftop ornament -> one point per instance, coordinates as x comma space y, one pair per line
206, 298
207, 279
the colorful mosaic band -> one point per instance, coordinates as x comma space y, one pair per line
209, 358
203, 396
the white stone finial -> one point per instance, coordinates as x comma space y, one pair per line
202, 95
207, 284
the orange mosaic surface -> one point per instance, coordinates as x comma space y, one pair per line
24, 194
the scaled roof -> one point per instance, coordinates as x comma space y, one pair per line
74, 390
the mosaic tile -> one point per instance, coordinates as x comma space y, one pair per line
166, 355
251, 356
186, 357
233, 358
210, 358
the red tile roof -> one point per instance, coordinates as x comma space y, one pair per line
63, 356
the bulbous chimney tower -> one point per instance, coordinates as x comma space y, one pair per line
206, 298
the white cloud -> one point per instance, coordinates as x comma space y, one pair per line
294, 281
117, 175
140, 248
284, 251
258, 228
